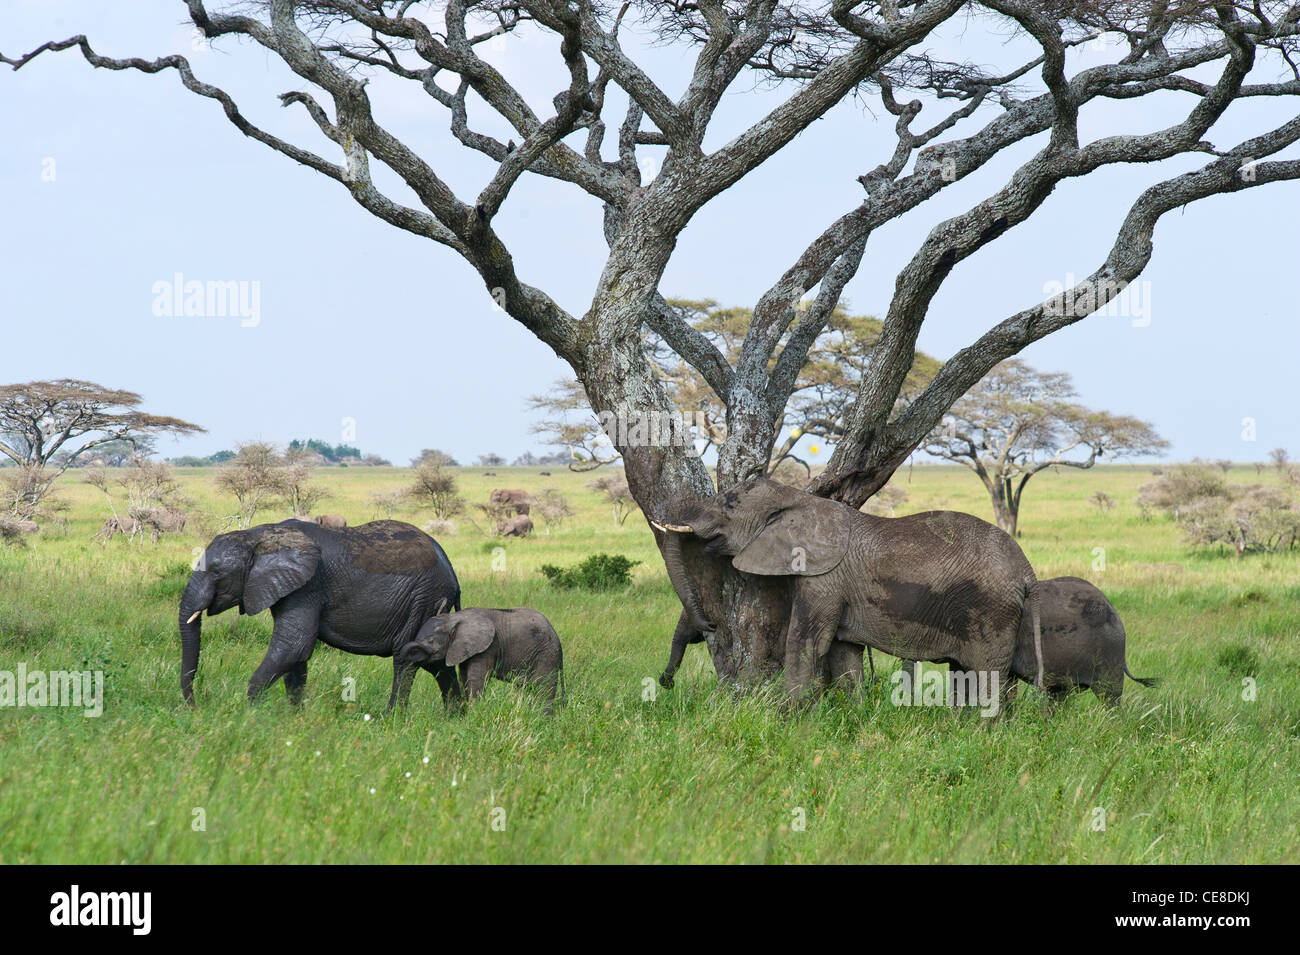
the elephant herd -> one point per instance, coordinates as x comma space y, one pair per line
940, 586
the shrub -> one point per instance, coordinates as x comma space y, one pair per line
597, 572
1101, 501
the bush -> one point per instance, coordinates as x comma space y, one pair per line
597, 572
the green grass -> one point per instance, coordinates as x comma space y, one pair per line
1186, 772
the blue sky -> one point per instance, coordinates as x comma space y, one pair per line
113, 182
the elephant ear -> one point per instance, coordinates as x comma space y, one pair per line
471, 636
807, 539
281, 564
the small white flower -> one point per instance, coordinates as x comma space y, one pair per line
408, 775
367, 717
288, 742
426, 759
317, 752
372, 790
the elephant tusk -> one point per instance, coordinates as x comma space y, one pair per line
195, 616
676, 528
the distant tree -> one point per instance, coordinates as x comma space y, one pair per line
569, 423
434, 456
553, 507
1017, 422
490, 460
434, 487
1224, 465
819, 408
1279, 458
67, 417
375, 461
153, 498
615, 489
296, 472
1102, 501
386, 503
255, 477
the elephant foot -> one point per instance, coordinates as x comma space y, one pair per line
666, 680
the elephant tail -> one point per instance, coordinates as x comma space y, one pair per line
1031, 602
1144, 680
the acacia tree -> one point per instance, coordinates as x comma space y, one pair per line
1208, 54
819, 407
1018, 422
47, 427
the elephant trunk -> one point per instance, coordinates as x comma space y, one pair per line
196, 598
683, 584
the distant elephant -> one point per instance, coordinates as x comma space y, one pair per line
113, 526
940, 586
335, 522
520, 526
519, 645
1083, 643
159, 520
27, 527
365, 590
512, 499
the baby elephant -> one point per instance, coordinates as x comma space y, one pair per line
518, 645
1083, 642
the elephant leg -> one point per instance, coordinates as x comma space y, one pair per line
683, 636
403, 676
295, 682
809, 639
1109, 691
550, 684
446, 677
473, 677
845, 662
292, 642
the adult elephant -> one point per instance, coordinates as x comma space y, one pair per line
365, 589
940, 586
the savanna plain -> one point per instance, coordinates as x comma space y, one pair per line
1203, 768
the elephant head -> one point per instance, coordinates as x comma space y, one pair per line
766, 528
449, 639
251, 569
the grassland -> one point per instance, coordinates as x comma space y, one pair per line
1187, 772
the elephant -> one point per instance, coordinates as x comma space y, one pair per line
518, 644
1083, 643
335, 522
941, 585
365, 589
520, 526
512, 499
